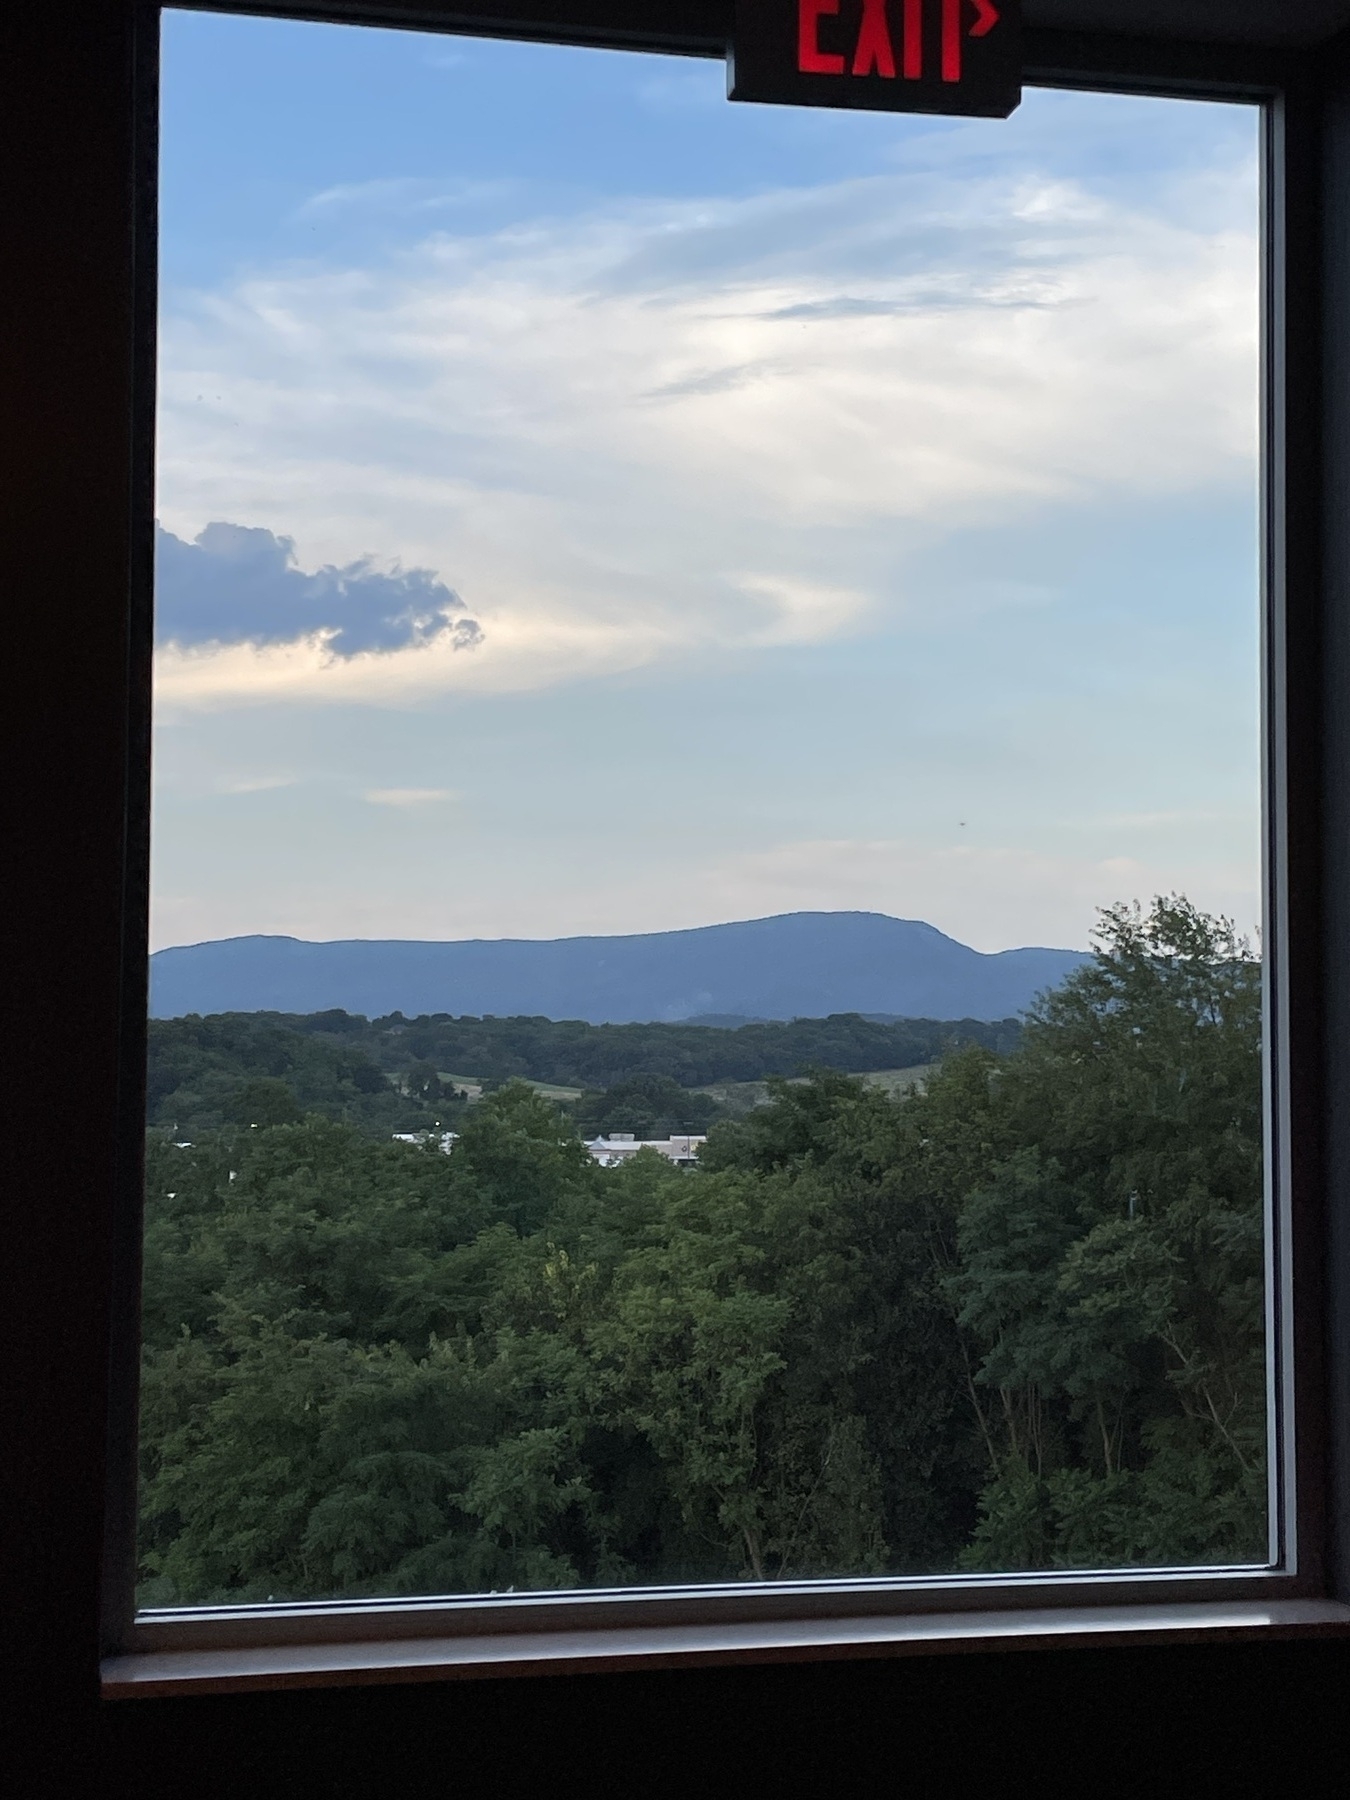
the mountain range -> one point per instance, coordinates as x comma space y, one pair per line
794, 965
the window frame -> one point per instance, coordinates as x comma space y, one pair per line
1304, 1589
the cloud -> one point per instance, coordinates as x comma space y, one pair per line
603, 420
408, 796
391, 196
709, 381
925, 297
802, 612
255, 784
238, 584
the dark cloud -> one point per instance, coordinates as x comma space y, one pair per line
238, 584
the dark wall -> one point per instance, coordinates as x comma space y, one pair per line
1238, 1721
1253, 1719
67, 167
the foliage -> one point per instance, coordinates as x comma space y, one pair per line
650, 1106
572, 1053
251, 1069
1108, 1271
1012, 1321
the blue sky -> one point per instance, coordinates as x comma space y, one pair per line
593, 506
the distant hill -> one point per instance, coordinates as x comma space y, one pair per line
796, 965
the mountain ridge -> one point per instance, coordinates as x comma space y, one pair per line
788, 965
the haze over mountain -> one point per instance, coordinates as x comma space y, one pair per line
794, 965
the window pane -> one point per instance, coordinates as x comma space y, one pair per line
707, 1015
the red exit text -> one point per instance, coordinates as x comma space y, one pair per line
957, 56
874, 51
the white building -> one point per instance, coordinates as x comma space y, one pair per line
619, 1146
448, 1139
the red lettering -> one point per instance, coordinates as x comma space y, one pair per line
874, 42
811, 59
913, 52
874, 52
988, 18
951, 40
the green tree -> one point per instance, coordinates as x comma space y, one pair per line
1108, 1278
1011, 1321
650, 1106
264, 1100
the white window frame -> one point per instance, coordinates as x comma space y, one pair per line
1306, 567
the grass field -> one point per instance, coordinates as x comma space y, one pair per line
899, 1081
466, 1084
472, 1085
743, 1096
738, 1097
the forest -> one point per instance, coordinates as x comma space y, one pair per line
1010, 1320
387, 1074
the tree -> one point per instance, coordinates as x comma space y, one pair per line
650, 1106
264, 1101
1108, 1272
1011, 1321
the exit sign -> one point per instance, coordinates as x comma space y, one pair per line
930, 56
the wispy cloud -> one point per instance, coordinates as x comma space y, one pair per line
591, 426
254, 784
401, 195
409, 796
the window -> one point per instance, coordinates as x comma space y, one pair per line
860, 1598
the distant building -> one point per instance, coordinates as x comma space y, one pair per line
619, 1146
447, 1139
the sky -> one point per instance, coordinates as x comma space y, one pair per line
587, 505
